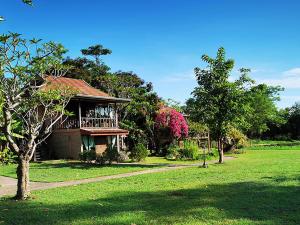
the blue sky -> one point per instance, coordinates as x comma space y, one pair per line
163, 40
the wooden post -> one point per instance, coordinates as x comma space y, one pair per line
79, 113
208, 143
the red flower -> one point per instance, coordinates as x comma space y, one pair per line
175, 121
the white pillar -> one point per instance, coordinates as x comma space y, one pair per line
118, 143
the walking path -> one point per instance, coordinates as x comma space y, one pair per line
9, 185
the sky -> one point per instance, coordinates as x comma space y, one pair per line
162, 40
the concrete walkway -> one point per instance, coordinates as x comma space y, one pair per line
9, 185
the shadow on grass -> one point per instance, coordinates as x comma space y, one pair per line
245, 202
86, 166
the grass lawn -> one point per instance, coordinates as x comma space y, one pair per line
260, 187
274, 145
60, 170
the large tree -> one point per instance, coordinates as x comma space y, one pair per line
89, 69
217, 101
263, 110
23, 68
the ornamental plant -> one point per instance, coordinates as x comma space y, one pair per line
174, 121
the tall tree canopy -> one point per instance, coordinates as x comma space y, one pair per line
217, 101
263, 110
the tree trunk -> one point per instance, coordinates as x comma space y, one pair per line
23, 191
220, 150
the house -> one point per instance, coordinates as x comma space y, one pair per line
93, 125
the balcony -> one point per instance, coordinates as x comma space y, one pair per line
86, 122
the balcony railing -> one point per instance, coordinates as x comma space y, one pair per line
86, 122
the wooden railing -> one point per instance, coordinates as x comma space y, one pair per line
68, 123
86, 122
97, 122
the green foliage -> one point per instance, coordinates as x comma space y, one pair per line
236, 139
173, 104
189, 151
7, 156
263, 110
87, 155
27, 106
288, 127
138, 153
173, 152
217, 101
96, 51
196, 128
110, 155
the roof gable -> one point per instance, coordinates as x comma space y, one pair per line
79, 86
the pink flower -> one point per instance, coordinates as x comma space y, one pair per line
175, 121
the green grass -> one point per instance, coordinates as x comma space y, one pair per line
60, 170
260, 187
273, 145
273, 142
267, 147
162, 160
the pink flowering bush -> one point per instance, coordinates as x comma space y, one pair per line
174, 121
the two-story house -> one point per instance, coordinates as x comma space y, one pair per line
93, 125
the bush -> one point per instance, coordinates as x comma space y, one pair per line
191, 150
123, 156
110, 155
138, 153
87, 155
173, 152
235, 140
7, 156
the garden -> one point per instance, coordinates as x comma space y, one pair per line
227, 155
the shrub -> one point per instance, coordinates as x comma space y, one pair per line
190, 150
138, 153
173, 152
110, 155
87, 155
123, 156
235, 140
7, 156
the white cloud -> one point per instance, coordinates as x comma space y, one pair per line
186, 76
287, 79
294, 72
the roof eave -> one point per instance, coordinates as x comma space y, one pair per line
91, 97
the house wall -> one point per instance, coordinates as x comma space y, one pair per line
101, 144
65, 143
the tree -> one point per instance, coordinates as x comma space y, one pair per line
263, 110
96, 51
87, 69
217, 101
23, 68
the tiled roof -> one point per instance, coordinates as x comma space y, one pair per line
79, 86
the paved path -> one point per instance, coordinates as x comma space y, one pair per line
8, 185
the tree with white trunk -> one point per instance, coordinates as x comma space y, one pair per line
24, 66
